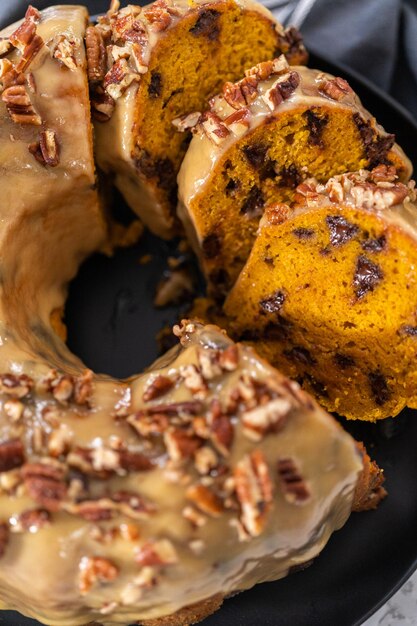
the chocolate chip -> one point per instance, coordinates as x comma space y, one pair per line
375, 147
256, 154
344, 361
254, 203
300, 355
289, 176
231, 187
207, 25
160, 168
211, 246
268, 260
379, 387
219, 277
273, 303
315, 125
409, 330
279, 329
155, 85
303, 233
318, 387
374, 245
367, 276
341, 231
12, 454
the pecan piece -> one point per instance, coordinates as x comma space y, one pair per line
221, 428
158, 15
335, 88
13, 409
46, 150
194, 380
96, 54
4, 537
12, 454
205, 500
268, 418
45, 483
187, 121
292, 483
118, 79
102, 105
157, 387
63, 49
213, 127
95, 569
19, 106
254, 491
161, 552
31, 521
14, 385
180, 445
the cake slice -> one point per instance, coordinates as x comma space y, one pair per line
261, 137
329, 292
147, 66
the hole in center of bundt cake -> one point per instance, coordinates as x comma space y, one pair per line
111, 320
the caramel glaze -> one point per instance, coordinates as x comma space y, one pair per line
128, 500
204, 153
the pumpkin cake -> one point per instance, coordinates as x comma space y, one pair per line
260, 138
147, 66
329, 292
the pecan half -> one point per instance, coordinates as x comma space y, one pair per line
45, 483
12, 454
161, 552
293, 485
95, 569
254, 491
46, 150
205, 500
19, 106
269, 418
157, 387
4, 537
180, 445
96, 54
14, 385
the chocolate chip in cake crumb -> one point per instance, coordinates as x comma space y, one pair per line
272, 303
375, 146
160, 168
231, 187
315, 125
344, 361
268, 260
254, 203
207, 25
289, 176
303, 233
374, 245
255, 154
211, 246
155, 85
379, 387
300, 355
341, 231
367, 276
408, 330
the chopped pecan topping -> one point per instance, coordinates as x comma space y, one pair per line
103, 461
5, 46
229, 358
10, 481
293, 485
194, 517
14, 385
63, 49
291, 44
213, 127
180, 445
159, 14
208, 359
157, 387
60, 440
238, 122
221, 428
118, 79
335, 88
281, 90
95, 569
268, 418
45, 483
161, 552
83, 388
13, 409
205, 500
254, 491
194, 380
102, 105
205, 460
241, 94
187, 122
148, 425
31, 521
133, 591
96, 54
12, 454
4, 537
46, 150
26, 40
277, 213
175, 409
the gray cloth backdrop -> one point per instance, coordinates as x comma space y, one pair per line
378, 38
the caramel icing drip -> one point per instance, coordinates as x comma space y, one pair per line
267, 90
207, 474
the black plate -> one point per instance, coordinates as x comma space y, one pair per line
112, 327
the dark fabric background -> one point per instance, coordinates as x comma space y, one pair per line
378, 38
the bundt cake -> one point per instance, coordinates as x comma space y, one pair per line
329, 292
148, 66
260, 138
154, 498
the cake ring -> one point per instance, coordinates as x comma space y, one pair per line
147, 500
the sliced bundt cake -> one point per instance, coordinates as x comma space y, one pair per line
329, 292
261, 137
148, 66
